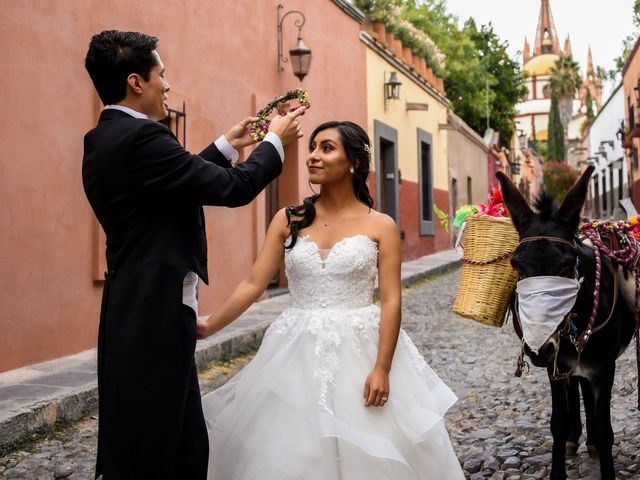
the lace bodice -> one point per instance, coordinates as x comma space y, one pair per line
344, 279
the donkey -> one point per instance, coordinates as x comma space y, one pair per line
549, 246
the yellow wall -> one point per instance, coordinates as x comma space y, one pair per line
407, 122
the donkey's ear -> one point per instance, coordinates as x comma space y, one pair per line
569, 211
518, 207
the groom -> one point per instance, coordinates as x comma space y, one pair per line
148, 192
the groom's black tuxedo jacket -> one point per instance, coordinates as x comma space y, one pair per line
147, 192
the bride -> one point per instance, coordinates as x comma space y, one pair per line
337, 390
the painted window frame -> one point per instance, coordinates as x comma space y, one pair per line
382, 131
427, 227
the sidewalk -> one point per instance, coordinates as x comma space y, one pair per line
37, 396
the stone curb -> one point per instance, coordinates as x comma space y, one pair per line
410, 279
45, 414
79, 402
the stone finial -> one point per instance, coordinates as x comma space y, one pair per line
567, 47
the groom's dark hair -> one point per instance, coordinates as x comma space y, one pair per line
113, 56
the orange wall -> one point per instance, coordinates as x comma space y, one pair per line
218, 55
630, 78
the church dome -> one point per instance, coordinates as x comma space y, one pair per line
541, 65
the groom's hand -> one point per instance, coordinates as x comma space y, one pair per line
238, 135
287, 127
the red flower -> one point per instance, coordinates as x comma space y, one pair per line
496, 195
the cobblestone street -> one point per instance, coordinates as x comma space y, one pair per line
499, 427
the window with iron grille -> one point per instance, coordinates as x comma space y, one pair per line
176, 121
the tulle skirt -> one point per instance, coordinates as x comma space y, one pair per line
296, 411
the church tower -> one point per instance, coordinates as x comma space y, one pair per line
546, 36
591, 84
538, 63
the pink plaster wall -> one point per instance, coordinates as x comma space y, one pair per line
630, 78
221, 60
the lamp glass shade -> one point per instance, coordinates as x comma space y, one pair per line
523, 141
516, 168
300, 59
392, 87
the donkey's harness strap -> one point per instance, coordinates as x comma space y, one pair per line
590, 330
551, 239
615, 245
581, 342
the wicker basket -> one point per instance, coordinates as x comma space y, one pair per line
487, 280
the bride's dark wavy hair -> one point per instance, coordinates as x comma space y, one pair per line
356, 144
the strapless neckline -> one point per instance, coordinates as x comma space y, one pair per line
329, 251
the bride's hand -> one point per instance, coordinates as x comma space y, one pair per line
204, 328
376, 388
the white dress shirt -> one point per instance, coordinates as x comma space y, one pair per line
191, 283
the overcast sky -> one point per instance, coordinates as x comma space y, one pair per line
603, 24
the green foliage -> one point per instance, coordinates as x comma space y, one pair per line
555, 141
623, 131
390, 12
565, 77
472, 56
421, 46
590, 114
558, 177
589, 101
619, 61
542, 148
506, 80
462, 214
444, 218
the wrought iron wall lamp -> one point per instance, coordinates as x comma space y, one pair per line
391, 88
300, 54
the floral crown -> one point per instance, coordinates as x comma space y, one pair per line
259, 128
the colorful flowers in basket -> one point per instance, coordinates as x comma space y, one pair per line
494, 208
259, 129
629, 227
634, 226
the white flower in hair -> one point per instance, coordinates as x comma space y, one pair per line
367, 148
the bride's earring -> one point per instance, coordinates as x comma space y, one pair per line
352, 170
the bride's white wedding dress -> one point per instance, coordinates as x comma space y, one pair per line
296, 410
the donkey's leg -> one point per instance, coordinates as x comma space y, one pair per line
602, 386
559, 428
589, 413
575, 422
